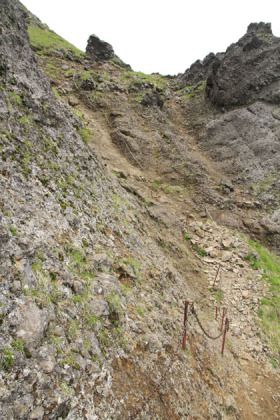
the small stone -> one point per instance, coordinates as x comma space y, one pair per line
164, 199
227, 242
245, 294
47, 366
200, 233
64, 67
37, 414
226, 256
213, 254
73, 101
58, 331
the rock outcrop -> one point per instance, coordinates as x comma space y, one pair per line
248, 71
98, 51
200, 70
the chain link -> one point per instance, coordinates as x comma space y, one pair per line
156, 388
201, 326
192, 311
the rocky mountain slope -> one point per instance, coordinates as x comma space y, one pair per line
122, 196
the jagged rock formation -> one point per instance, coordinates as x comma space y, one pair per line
248, 71
199, 71
99, 179
98, 50
244, 142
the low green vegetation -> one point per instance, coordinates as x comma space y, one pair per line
196, 248
265, 184
85, 135
140, 310
134, 79
270, 306
18, 345
14, 230
136, 267
57, 95
70, 360
194, 92
273, 363
219, 295
169, 189
7, 358
45, 41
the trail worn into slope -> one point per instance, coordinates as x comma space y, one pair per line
254, 396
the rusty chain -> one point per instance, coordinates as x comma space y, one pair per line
193, 311
192, 251
156, 388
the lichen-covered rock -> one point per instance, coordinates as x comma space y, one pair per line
30, 322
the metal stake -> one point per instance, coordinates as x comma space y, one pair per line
224, 309
224, 336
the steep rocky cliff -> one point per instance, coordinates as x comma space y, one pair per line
115, 207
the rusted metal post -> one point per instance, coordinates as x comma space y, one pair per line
224, 309
224, 336
185, 321
217, 274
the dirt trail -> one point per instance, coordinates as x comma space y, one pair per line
258, 393
260, 399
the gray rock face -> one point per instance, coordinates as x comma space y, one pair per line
244, 142
200, 70
248, 71
98, 50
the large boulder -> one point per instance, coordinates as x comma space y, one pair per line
98, 50
248, 71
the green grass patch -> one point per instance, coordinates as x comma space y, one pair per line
57, 95
85, 135
265, 184
13, 230
273, 363
219, 296
18, 345
7, 358
131, 78
270, 306
193, 92
196, 248
45, 41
